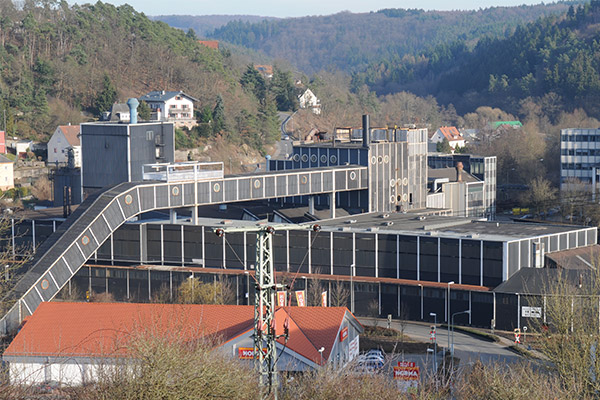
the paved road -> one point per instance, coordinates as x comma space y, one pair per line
466, 347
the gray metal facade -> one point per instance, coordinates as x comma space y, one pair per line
113, 153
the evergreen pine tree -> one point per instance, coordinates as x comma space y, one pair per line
106, 97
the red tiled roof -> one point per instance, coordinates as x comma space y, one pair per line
211, 44
71, 132
451, 133
104, 329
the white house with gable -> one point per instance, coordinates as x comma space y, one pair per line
176, 107
309, 100
64, 138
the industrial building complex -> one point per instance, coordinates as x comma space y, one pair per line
410, 232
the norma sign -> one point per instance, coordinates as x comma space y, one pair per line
531, 312
301, 298
344, 334
406, 373
281, 298
247, 353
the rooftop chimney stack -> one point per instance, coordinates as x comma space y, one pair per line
459, 171
366, 130
133, 104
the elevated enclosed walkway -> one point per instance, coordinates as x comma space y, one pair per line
76, 240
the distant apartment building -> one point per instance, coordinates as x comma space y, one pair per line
7, 178
176, 107
580, 158
64, 140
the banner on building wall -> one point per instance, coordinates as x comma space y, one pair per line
281, 298
353, 348
324, 299
344, 334
301, 298
247, 353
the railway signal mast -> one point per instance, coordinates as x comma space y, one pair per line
265, 337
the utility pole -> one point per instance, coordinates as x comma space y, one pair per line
265, 337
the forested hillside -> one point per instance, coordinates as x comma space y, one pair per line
67, 64
555, 60
205, 24
349, 41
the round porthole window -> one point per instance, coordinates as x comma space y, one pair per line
313, 158
304, 179
405, 181
175, 191
296, 157
256, 183
128, 199
304, 157
386, 159
45, 284
373, 160
392, 199
380, 159
404, 197
333, 159
85, 240
216, 187
352, 175
323, 158
392, 182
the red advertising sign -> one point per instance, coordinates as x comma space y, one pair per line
281, 299
300, 298
344, 334
406, 373
406, 364
247, 353
324, 299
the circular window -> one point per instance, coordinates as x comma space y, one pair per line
85, 240
405, 181
380, 159
352, 175
304, 157
392, 182
296, 157
404, 197
373, 160
313, 158
392, 199
323, 158
175, 191
333, 159
216, 187
128, 199
256, 183
303, 179
45, 284
386, 159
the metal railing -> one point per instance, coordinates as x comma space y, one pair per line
185, 171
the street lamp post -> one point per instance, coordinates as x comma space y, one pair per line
352, 272
421, 287
452, 322
434, 315
321, 350
448, 312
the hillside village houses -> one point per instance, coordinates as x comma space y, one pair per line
174, 106
65, 137
454, 137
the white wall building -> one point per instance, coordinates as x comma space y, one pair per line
67, 343
176, 107
65, 137
7, 175
309, 100
454, 137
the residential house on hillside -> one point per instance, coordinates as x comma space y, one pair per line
67, 342
175, 106
7, 177
119, 112
265, 70
307, 99
450, 133
64, 139
211, 44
